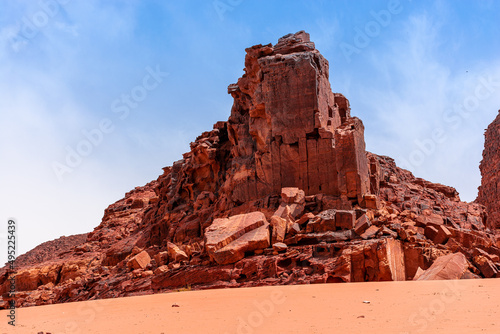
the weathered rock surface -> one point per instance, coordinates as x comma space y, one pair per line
281, 193
139, 261
175, 254
451, 266
227, 239
489, 191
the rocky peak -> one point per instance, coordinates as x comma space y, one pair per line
288, 129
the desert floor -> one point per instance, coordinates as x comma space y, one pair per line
466, 306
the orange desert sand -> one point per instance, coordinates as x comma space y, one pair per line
465, 306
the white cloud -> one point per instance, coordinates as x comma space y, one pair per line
424, 88
41, 113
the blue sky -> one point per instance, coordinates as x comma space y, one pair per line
424, 76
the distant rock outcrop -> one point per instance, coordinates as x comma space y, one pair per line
48, 250
281, 193
489, 191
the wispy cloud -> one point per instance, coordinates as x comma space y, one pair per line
420, 99
42, 110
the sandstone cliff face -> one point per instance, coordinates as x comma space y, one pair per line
489, 191
286, 129
282, 193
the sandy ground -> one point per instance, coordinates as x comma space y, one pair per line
466, 306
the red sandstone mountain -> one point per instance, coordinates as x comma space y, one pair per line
281, 193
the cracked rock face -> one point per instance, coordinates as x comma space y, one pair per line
227, 239
288, 129
489, 191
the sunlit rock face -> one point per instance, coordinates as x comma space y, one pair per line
489, 191
288, 129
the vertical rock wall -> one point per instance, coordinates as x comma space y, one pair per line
489, 191
288, 129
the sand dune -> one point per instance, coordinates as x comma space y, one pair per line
465, 306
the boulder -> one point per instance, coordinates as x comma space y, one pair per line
485, 266
175, 254
294, 229
370, 232
325, 221
377, 260
31, 278
492, 257
429, 218
305, 218
451, 266
279, 228
161, 258
391, 256
442, 235
292, 210
344, 220
227, 239
280, 247
292, 195
139, 261
161, 270
370, 202
362, 224
430, 232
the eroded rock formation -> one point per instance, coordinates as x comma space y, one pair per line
489, 191
288, 129
282, 193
